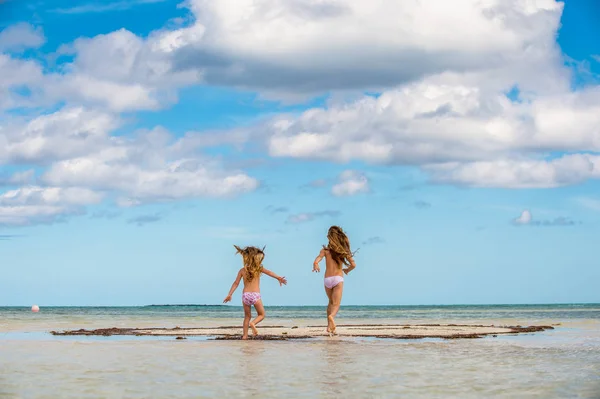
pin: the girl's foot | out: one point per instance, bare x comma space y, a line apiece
245, 337
254, 330
331, 327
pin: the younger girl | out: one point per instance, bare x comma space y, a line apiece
336, 253
251, 273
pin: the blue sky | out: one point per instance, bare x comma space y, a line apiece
140, 140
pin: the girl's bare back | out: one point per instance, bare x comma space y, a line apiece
332, 268
252, 285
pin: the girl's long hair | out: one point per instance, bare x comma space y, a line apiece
253, 258
339, 246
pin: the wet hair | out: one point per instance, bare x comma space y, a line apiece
253, 258
339, 246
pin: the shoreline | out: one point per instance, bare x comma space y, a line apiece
275, 332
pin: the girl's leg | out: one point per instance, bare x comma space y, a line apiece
336, 299
247, 316
260, 310
329, 293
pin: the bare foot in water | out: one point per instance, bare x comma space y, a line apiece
254, 330
331, 327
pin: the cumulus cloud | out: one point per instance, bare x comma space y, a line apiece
301, 47
472, 133
120, 62
309, 46
441, 102
67, 133
526, 219
310, 216
17, 75
33, 204
566, 170
26, 177
350, 182
21, 36
147, 169
75, 148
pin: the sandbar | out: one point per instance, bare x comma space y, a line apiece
274, 332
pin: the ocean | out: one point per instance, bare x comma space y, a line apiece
559, 363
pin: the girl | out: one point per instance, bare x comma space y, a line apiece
251, 272
336, 253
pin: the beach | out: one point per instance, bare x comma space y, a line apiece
555, 363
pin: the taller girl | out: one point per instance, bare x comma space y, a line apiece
337, 253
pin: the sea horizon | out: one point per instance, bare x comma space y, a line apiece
342, 306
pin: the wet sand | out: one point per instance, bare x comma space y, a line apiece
273, 332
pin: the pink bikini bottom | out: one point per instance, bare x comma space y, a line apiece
332, 281
250, 298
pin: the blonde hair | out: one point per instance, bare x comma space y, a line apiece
339, 246
253, 258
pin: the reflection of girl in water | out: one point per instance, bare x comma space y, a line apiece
336, 254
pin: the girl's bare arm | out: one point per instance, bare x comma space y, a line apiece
351, 267
234, 286
282, 280
318, 259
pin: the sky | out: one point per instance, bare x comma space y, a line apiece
457, 144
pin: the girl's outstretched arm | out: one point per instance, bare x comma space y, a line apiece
282, 280
351, 267
234, 286
318, 259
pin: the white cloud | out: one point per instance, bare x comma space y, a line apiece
434, 121
442, 107
76, 150
20, 36
519, 173
33, 204
67, 133
19, 178
149, 168
18, 74
294, 48
350, 183
316, 46
457, 132
525, 217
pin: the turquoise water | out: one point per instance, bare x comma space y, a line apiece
563, 311
559, 363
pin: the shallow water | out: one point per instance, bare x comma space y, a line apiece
560, 363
